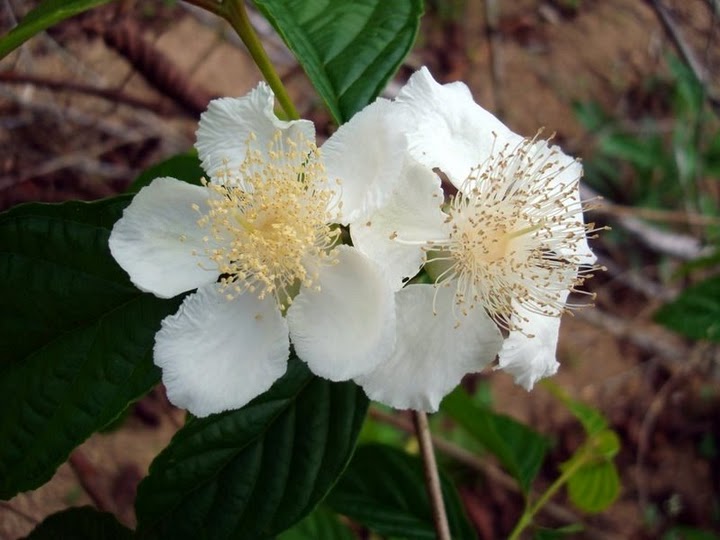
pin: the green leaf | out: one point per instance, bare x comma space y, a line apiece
384, 489
706, 261
185, 167
348, 48
559, 533
689, 92
696, 312
591, 419
322, 524
83, 523
641, 152
594, 486
606, 444
49, 12
591, 115
689, 533
712, 156
77, 335
520, 449
253, 472
375, 431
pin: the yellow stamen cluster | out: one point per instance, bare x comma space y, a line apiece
512, 227
269, 225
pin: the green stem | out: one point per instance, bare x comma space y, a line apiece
529, 514
235, 13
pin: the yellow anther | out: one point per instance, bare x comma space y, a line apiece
271, 219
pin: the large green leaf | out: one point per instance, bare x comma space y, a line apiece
348, 48
185, 167
322, 524
696, 312
77, 335
253, 472
384, 489
49, 12
83, 523
520, 449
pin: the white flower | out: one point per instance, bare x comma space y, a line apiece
503, 254
259, 244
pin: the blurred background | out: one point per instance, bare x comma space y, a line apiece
632, 87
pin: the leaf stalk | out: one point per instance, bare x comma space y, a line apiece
235, 13
526, 519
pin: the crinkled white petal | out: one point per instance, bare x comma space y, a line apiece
158, 241
455, 134
529, 354
347, 327
414, 214
218, 354
225, 128
366, 155
452, 132
433, 352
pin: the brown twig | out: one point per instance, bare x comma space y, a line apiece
89, 479
113, 95
432, 477
700, 72
155, 67
662, 216
636, 280
682, 246
646, 428
10, 508
87, 159
656, 407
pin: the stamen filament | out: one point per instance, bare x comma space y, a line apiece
514, 233
270, 226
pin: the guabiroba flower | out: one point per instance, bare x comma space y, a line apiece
258, 242
502, 254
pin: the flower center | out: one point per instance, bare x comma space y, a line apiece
513, 229
270, 227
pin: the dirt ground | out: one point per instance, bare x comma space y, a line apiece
86, 106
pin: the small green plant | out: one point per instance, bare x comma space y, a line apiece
669, 162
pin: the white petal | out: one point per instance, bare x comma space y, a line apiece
366, 155
347, 327
453, 133
414, 214
218, 354
157, 237
433, 352
226, 126
529, 355
572, 174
